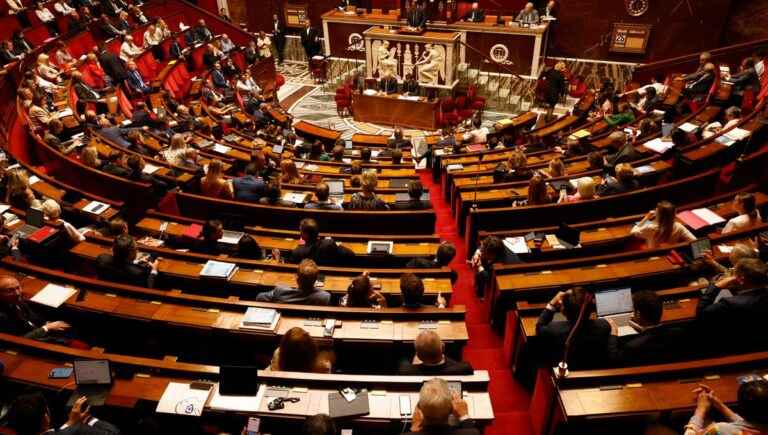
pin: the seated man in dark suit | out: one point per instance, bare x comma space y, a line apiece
737, 319
623, 182
212, 232
415, 190
18, 318
624, 150
305, 293
388, 85
202, 33
699, 88
410, 85
122, 266
443, 257
29, 414
655, 343
476, 15
322, 193
589, 347
135, 81
490, 252
430, 359
415, 16
398, 141
412, 292
434, 410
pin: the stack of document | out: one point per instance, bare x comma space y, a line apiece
221, 149
579, 134
688, 127
149, 169
218, 269
64, 113
658, 145
260, 318
733, 136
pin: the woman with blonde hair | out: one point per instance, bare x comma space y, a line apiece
659, 227
52, 212
90, 157
289, 172
46, 70
585, 189
366, 198
214, 184
176, 152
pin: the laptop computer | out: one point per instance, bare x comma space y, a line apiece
615, 304
93, 379
34, 221
568, 236
238, 380
335, 187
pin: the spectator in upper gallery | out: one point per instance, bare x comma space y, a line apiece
226, 44
748, 217
589, 346
475, 14
623, 182
7, 55
93, 74
659, 227
305, 292
360, 294
17, 8
322, 193
298, 352
19, 318
87, 94
732, 118
62, 56
135, 81
412, 293
366, 198
122, 265
435, 408
128, 49
529, 15
414, 202
62, 7
29, 415
52, 212
122, 23
655, 342
214, 184
217, 77
752, 398
446, 252
108, 29
319, 424
46, 69
53, 137
47, 18
430, 359
251, 52
113, 65
202, 33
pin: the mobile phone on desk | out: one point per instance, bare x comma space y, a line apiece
60, 373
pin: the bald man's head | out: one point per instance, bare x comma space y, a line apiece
429, 347
10, 290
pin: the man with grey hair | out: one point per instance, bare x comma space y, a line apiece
624, 149
529, 15
430, 358
435, 407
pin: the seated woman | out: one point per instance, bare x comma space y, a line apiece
585, 189
739, 252
556, 168
752, 397
289, 172
360, 294
46, 69
249, 248
90, 157
659, 227
515, 169
52, 212
93, 74
748, 216
176, 152
537, 193
214, 184
18, 193
298, 352
64, 60
367, 199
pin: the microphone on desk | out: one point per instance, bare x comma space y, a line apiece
562, 366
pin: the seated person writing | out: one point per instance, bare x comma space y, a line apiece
305, 293
430, 359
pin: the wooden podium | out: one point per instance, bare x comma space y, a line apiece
408, 48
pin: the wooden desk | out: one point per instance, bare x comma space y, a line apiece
312, 131
391, 110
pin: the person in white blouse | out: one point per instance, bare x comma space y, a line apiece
46, 70
659, 227
48, 19
748, 216
264, 43
62, 7
150, 36
129, 50
162, 29
52, 211
732, 118
246, 84
226, 44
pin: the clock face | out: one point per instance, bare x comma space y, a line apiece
636, 8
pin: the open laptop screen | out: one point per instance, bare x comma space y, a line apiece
335, 187
614, 301
92, 372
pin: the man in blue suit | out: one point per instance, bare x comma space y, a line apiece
249, 187
135, 81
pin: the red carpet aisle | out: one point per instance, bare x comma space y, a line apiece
484, 350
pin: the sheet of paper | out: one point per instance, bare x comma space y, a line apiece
658, 145
517, 245
149, 168
708, 216
688, 127
236, 403
53, 295
222, 149
33, 179
179, 398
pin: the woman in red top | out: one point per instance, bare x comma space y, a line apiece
93, 74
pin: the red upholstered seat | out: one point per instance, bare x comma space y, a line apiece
475, 102
447, 114
463, 108
343, 100
238, 59
124, 102
463, 8
279, 81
